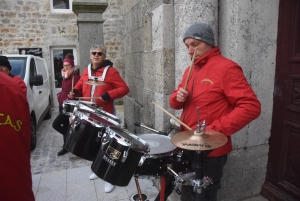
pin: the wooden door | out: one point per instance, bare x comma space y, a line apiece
283, 169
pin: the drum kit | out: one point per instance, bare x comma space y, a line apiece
119, 155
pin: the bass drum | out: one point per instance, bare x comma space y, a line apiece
84, 136
119, 156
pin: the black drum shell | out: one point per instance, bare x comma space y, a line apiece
156, 165
153, 166
120, 173
84, 140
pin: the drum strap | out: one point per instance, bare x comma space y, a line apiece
91, 77
101, 78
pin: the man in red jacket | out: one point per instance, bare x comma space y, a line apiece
5, 68
15, 173
115, 87
218, 87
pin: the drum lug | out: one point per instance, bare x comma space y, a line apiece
142, 160
99, 136
125, 154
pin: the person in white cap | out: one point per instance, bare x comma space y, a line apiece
226, 101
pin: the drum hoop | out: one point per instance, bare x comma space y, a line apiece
161, 155
101, 116
137, 147
94, 122
98, 111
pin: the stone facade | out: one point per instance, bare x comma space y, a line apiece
144, 41
240, 28
31, 24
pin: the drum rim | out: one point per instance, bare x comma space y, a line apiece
142, 147
171, 149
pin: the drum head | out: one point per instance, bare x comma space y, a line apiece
158, 143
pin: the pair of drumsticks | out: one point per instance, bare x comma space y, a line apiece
185, 87
187, 80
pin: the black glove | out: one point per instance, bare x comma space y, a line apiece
105, 96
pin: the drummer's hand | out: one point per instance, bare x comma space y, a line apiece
101, 99
105, 97
71, 95
182, 94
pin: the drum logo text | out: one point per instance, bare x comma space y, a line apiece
196, 145
113, 153
111, 162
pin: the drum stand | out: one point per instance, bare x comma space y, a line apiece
195, 179
143, 197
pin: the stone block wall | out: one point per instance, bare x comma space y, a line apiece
30, 24
149, 61
113, 27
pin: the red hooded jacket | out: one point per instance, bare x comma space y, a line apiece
219, 88
67, 86
15, 173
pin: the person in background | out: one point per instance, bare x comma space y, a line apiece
115, 86
15, 134
70, 76
218, 87
5, 68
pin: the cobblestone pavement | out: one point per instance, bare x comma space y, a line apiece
44, 158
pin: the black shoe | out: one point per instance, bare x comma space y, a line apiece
62, 152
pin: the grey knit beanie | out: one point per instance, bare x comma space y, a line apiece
200, 31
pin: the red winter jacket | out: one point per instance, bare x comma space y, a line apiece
219, 88
15, 135
67, 87
20, 82
115, 87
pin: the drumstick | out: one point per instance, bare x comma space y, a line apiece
191, 67
72, 83
173, 117
86, 97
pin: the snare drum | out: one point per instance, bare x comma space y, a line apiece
99, 114
154, 163
118, 156
84, 136
69, 105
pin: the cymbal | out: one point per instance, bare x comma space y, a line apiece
208, 140
95, 83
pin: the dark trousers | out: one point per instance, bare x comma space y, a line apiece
61, 123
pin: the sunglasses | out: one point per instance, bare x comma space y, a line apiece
98, 53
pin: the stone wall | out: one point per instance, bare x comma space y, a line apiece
30, 24
246, 33
113, 28
149, 61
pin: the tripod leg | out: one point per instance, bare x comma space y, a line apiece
138, 188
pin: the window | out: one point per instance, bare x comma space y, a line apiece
18, 66
61, 6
